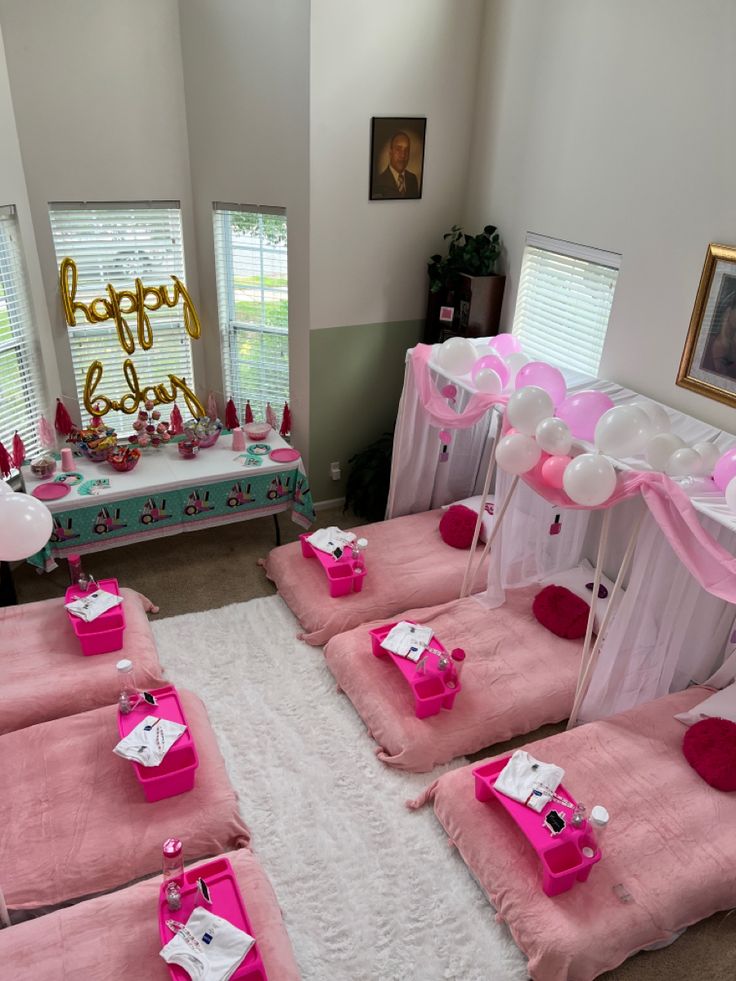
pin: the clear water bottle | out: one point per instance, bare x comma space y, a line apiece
173, 869
126, 687
597, 824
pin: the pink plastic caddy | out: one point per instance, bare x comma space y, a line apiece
433, 689
563, 862
176, 774
226, 902
105, 634
344, 575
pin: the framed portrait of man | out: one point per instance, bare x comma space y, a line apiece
397, 157
708, 363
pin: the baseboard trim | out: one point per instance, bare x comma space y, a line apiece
332, 503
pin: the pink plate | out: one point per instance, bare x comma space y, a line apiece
284, 455
51, 491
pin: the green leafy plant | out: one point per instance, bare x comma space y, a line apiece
366, 490
474, 255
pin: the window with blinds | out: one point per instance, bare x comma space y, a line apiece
117, 243
21, 392
564, 302
253, 303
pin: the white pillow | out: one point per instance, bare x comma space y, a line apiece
721, 705
576, 581
474, 504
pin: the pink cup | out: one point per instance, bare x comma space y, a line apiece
67, 460
238, 439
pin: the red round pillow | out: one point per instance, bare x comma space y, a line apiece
710, 749
561, 611
457, 525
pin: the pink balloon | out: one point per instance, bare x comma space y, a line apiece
544, 376
504, 344
725, 470
553, 470
582, 411
490, 361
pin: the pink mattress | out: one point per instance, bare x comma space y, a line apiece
46, 676
116, 936
670, 844
517, 676
74, 818
408, 566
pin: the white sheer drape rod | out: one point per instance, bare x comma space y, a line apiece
602, 544
467, 579
590, 666
396, 453
496, 528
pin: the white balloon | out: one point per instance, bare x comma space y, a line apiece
517, 453
25, 526
660, 448
658, 416
589, 479
554, 436
457, 355
5, 487
488, 380
709, 454
528, 407
622, 431
731, 494
684, 463
514, 361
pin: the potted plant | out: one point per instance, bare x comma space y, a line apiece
465, 282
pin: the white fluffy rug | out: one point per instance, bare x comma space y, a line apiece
369, 890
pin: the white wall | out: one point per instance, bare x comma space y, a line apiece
612, 124
413, 58
13, 190
99, 101
246, 75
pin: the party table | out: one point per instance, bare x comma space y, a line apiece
166, 494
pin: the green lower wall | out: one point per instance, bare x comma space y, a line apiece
356, 375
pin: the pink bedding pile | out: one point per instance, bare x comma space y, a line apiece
116, 936
45, 674
408, 566
74, 818
670, 846
517, 676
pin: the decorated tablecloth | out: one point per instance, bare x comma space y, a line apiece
166, 494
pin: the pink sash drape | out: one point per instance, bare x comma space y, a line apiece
435, 405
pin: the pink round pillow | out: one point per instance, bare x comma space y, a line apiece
710, 749
561, 611
457, 525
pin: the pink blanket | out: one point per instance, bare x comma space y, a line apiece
517, 676
74, 818
670, 847
116, 936
408, 565
46, 676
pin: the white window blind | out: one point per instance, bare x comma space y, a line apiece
564, 302
21, 393
116, 243
253, 303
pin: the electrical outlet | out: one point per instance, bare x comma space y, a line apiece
335, 470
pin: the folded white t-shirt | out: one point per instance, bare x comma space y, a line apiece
150, 741
92, 605
407, 640
526, 779
329, 539
208, 947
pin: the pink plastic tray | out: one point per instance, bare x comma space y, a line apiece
344, 575
563, 863
105, 634
177, 772
51, 491
226, 902
433, 689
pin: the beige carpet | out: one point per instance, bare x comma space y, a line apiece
214, 567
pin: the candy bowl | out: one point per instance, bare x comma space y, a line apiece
257, 431
188, 448
205, 431
43, 466
124, 458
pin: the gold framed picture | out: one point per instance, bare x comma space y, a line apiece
708, 363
